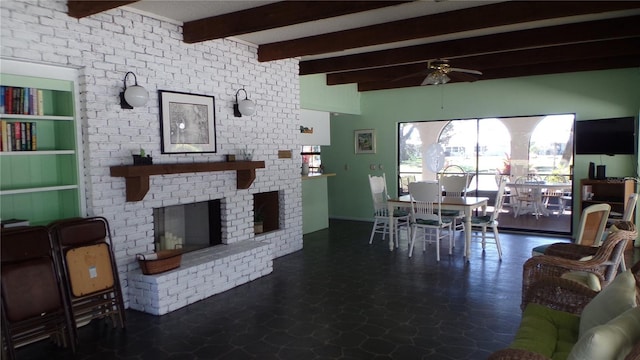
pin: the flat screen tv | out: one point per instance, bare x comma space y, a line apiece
613, 136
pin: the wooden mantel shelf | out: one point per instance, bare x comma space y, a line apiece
137, 176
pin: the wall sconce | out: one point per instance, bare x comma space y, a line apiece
244, 107
133, 96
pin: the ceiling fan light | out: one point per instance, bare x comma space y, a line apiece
437, 78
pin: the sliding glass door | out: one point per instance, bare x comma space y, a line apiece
540, 146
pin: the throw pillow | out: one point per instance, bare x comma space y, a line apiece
613, 341
612, 301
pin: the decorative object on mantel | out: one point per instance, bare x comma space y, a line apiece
160, 261
306, 130
231, 157
137, 177
187, 122
133, 96
247, 155
244, 107
142, 158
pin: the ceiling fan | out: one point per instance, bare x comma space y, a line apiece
440, 72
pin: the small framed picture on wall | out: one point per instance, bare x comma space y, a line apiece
365, 141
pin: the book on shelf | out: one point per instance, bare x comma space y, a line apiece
9, 223
21, 101
18, 136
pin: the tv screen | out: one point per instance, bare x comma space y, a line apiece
606, 136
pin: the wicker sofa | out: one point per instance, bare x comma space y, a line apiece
563, 319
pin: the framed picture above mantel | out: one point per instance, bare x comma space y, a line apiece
187, 122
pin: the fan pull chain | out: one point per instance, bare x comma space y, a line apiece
441, 97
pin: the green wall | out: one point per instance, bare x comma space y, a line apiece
315, 95
590, 95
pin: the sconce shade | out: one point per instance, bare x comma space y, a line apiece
244, 107
136, 95
133, 96
247, 107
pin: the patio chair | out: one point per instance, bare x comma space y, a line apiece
426, 217
528, 198
378, 186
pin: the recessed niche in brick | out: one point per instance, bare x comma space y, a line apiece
189, 226
266, 207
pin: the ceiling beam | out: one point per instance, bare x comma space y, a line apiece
520, 71
80, 9
554, 54
279, 14
480, 17
540, 37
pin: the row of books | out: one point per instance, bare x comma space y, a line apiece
18, 136
21, 101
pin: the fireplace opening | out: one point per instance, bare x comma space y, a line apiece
266, 212
189, 226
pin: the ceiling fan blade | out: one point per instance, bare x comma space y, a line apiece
460, 76
468, 71
422, 73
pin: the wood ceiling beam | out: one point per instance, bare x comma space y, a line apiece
520, 71
480, 17
80, 9
279, 14
554, 54
540, 37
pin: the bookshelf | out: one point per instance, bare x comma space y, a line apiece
41, 182
613, 192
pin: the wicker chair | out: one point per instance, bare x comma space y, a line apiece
563, 295
603, 264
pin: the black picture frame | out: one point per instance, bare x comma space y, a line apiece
187, 123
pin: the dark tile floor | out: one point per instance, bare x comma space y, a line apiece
339, 298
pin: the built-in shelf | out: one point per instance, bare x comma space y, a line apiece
137, 176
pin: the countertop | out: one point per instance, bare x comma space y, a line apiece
317, 176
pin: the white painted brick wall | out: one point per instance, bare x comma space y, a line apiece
104, 47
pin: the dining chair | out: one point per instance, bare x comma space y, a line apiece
426, 217
528, 198
590, 231
33, 303
491, 221
454, 181
378, 186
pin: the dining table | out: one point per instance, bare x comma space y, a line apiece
541, 191
467, 204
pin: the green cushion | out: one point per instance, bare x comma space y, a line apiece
614, 340
449, 213
618, 297
431, 222
545, 331
480, 219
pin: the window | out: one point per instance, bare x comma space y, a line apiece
311, 156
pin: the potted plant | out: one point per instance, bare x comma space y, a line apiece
142, 158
